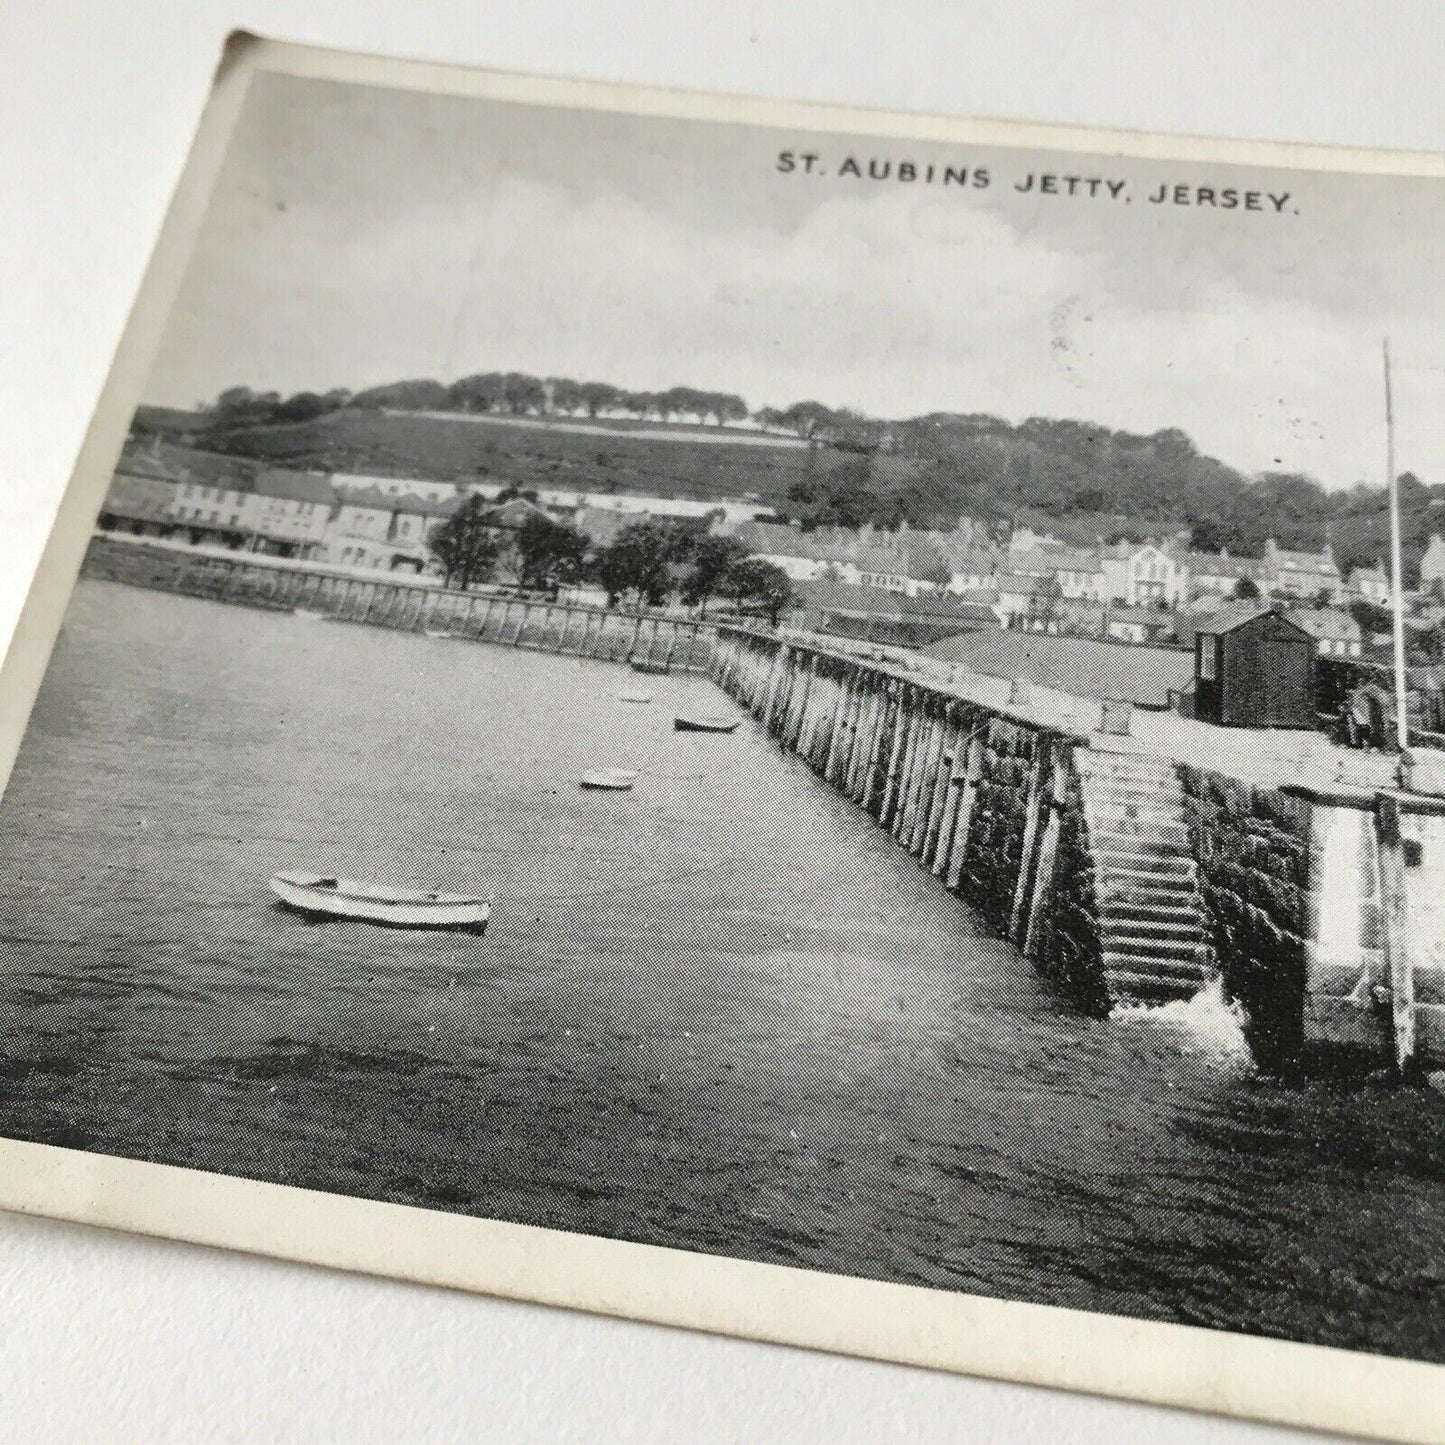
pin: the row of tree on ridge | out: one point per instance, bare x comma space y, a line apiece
515, 393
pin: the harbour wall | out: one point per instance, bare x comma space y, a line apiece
1065, 842
649, 639
989, 803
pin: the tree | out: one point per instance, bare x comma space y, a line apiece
712, 558
1246, 589
512, 492
239, 406
598, 396
417, 395
464, 544
640, 560
303, 406
546, 554
523, 393
755, 585
566, 394
937, 574
1372, 619
481, 392
725, 407
809, 418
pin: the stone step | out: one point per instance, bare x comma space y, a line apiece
1185, 924
1134, 795
1151, 824
1158, 843
1129, 765
1174, 906
1199, 964
1159, 949
1130, 863
1137, 811
1146, 988
1181, 902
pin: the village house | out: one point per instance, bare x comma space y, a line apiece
142, 505
1369, 584
429, 490
1144, 574
379, 530
1139, 625
968, 571
1220, 575
1078, 572
288, 513
1301, 574
1029, 604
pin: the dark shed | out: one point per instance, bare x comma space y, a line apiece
1253, 668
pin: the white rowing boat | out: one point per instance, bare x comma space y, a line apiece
634, 697
314, 894
617, 780
308, 614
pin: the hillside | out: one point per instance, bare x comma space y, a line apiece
1077, 480
676, 463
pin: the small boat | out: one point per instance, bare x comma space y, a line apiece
634, 697
696, 724
617, 780
433, 632
323, 897
653, 669
308, 614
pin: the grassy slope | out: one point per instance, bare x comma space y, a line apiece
428, 446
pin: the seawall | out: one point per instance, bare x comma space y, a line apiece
1127, 876
648, 639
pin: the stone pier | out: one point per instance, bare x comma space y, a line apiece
1124, 875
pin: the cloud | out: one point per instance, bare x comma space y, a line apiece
336, 263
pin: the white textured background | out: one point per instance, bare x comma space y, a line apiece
110, 1338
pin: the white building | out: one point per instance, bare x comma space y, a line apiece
289, 512
1301, 574
1144, 574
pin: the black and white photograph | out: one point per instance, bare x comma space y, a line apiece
865, 698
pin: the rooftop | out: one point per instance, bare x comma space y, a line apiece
291, 486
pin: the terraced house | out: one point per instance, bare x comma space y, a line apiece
288, 513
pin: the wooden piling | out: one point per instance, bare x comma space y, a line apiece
1394, 928
1027, 854
1058, 793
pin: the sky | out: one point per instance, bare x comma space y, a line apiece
359, 235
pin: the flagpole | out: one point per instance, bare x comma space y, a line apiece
1397, 579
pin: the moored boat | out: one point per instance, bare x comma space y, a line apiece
309, 614
693, 723
324, 897
617, 780
640, 697
653, 669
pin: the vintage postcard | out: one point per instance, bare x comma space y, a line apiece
807, 723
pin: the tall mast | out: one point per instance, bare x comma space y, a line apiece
1397, 578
